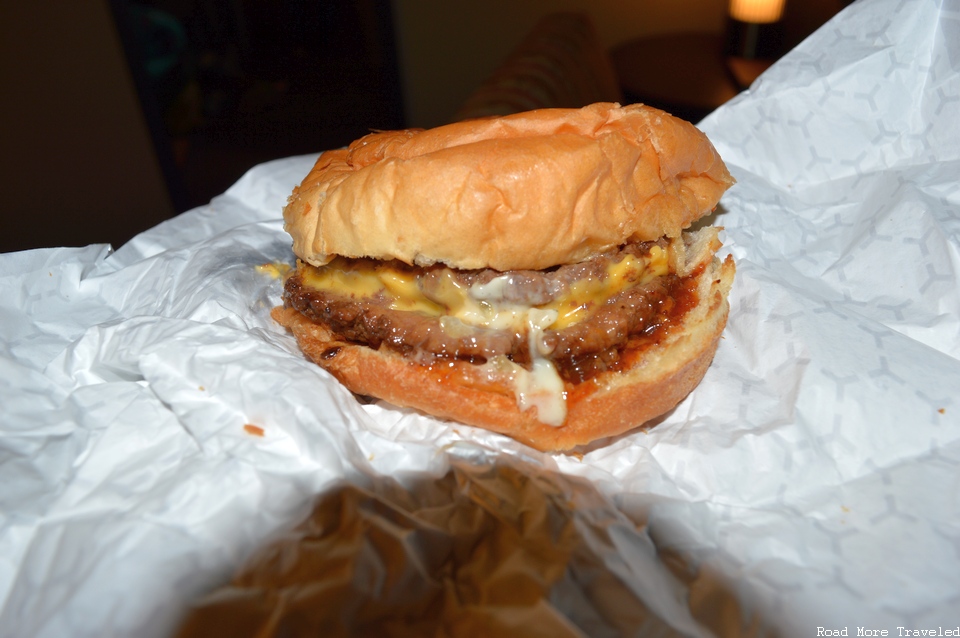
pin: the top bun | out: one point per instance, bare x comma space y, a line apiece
524, 191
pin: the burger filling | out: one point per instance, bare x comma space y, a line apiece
539, 329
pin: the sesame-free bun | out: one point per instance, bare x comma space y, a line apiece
524, 191
652, 382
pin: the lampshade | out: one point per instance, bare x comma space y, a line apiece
757, 11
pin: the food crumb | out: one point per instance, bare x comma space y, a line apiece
255, 430
846, 510
201, 388
942, 410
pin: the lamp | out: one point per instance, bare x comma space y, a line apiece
757, 11
753, 13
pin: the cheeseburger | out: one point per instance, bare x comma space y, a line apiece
534, 274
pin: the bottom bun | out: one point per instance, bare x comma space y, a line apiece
653, 381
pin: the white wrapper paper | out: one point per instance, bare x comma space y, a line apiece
812, 479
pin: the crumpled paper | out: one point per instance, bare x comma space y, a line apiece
158, 429
486, 549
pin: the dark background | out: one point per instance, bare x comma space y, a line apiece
247, 81
119, 114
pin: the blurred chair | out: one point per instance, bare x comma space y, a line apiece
560, 63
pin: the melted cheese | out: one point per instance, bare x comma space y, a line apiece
482, 305
276, 270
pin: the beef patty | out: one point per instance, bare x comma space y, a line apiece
579, 351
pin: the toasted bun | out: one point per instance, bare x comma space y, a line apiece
654, 381
524, 191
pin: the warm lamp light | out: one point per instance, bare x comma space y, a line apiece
757, 11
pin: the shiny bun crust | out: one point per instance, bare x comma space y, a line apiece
607, 405
524, 191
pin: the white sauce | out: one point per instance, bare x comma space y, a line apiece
490, 291
542, 387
